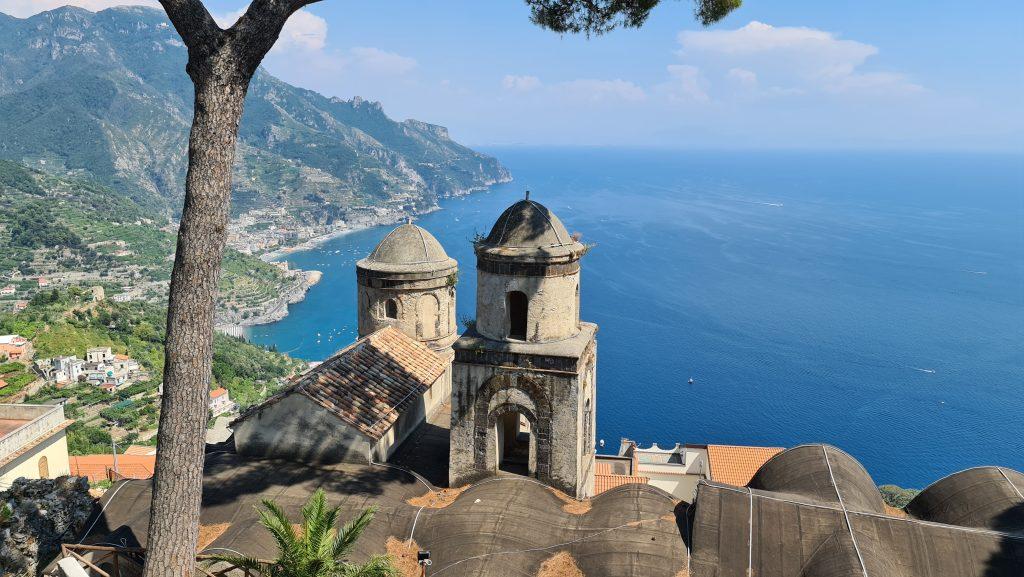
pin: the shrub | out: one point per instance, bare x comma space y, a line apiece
897, 496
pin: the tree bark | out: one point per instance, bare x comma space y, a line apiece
177, 486
221, 63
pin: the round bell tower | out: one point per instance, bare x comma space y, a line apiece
408, 282
528, 277
524, 383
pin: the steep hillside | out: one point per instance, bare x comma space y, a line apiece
105, 94
75, 232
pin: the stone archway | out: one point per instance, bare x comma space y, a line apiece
514, 446
500, 401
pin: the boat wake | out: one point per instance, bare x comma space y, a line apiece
929, 371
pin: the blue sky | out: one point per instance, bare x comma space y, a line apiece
774, 74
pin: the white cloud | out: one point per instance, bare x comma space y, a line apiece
687, 83
303, 31
26, 8
789, 60
743, 77
377, 61
520, 83
592, 90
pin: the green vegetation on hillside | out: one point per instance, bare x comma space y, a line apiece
77, 225
68, 322
117, 108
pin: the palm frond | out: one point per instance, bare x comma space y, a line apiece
276, 521
377, 566
318, 521
349, 534
264, 568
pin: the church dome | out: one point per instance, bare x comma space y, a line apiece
408, 248
529, 228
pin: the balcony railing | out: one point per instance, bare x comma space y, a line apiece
40, 420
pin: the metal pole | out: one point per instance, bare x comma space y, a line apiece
113, 448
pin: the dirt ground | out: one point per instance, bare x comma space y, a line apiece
560, 565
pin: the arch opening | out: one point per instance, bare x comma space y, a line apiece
518, 308
391, 309
514, 443
429, 319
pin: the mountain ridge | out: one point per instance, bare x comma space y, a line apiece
104, 94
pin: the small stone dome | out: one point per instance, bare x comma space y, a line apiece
408, 248
529, 228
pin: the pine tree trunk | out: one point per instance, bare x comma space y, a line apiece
177, 486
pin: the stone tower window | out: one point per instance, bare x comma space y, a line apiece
518, 307
391, 309
588, 428
577, 305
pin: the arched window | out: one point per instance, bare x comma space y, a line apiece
588, 425
391, 309
518, 309
427, 310
44, 468
577, 305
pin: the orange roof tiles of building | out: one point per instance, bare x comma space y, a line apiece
605, 479
217, 392
369, 383
604, 483
140, 450
735, 464
101, 467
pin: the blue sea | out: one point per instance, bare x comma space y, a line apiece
874, 301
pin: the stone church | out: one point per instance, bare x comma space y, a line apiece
521, 380
524, 377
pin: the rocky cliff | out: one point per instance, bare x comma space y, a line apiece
105, 94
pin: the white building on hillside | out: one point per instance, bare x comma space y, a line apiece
99, 355
32, 442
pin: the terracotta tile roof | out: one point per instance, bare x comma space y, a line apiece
140, 450
217, 392
369, 383
100, 467
736, 465
603, 468
604, 482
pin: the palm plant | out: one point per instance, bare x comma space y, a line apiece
316, 548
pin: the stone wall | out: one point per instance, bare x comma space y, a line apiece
297, 429
426, 305
44, 514
553, 312
552, 402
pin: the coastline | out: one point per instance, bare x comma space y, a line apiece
314, 242
278, 308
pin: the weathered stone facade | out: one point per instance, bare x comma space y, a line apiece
528, 367
408, 282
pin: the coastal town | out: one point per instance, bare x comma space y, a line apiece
511, 398
750, 307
